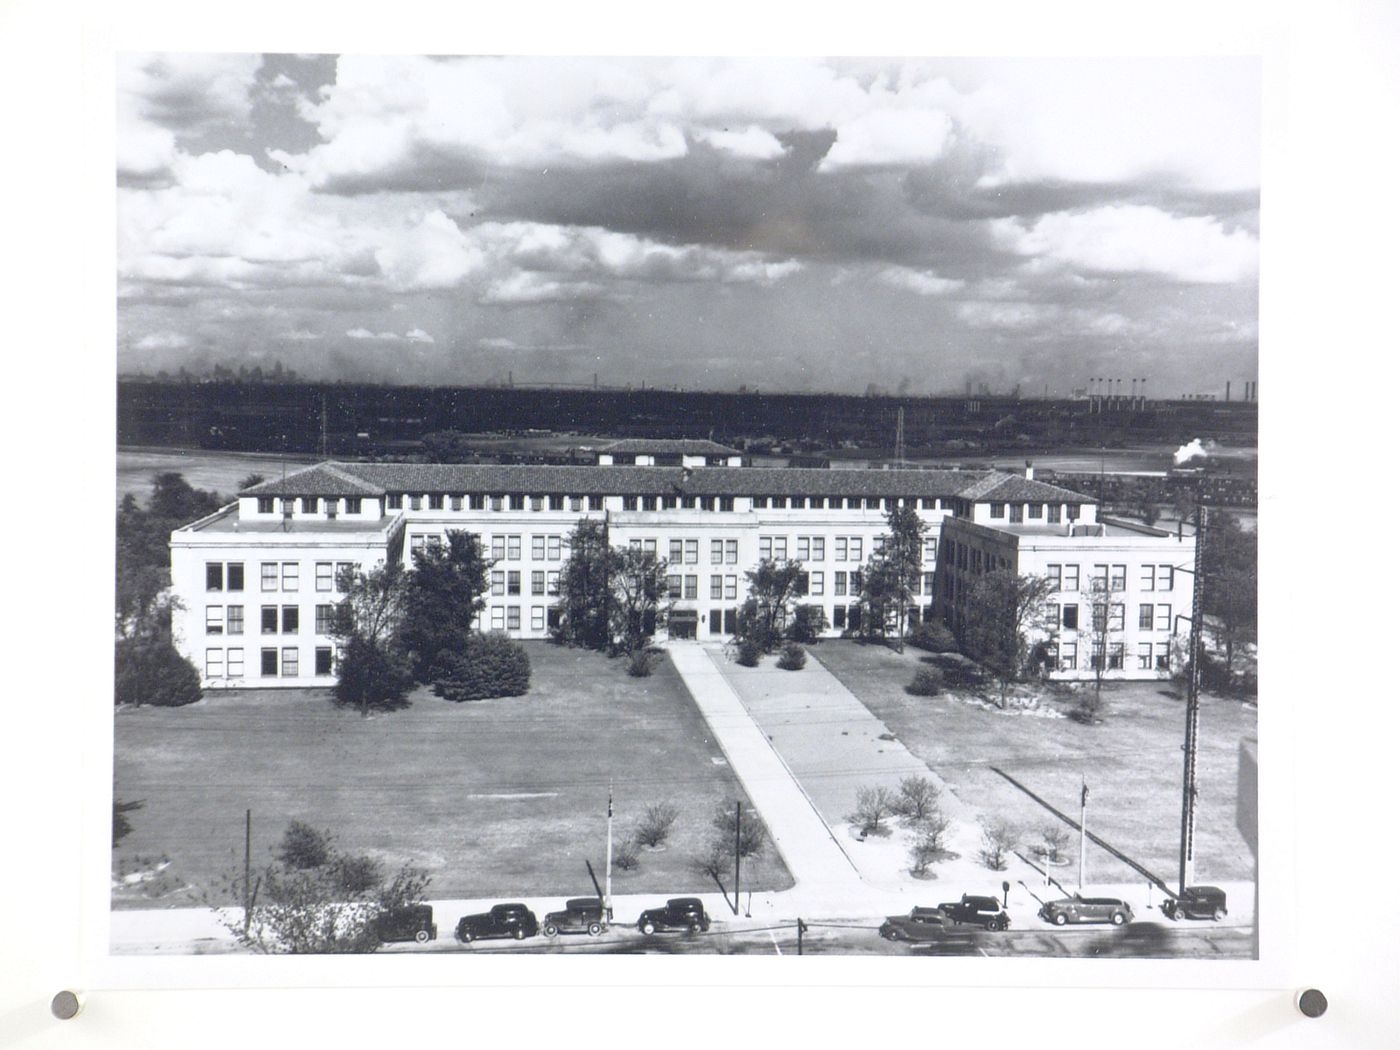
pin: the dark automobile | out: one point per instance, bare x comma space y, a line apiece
504, 920
580, 915
680, 913
1086, 909
985, 912
1198, 902
921, 924
411, 923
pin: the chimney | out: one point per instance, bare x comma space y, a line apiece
1030, 471
1227, 390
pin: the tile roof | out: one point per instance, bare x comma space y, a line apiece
675, 446
372, 479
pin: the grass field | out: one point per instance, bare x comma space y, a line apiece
1132, 761
217, 471
499, 798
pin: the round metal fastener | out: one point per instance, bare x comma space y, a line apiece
65, 1005
1312, 1003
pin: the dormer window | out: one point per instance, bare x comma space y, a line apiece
309, 504
267, 505
435, 501
396, 501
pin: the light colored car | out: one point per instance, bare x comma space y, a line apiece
1087, 909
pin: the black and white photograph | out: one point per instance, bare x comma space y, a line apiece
729, 506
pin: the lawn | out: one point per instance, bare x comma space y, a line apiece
501, 798
1132, 761
214, 471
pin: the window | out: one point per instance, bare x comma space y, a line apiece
818, 584
1071, 578
1052, 513
325, 573
512, 548
213, 663
396, 501
269, 576
716, 587
1100, 618
819, 548
765, 547
291, 619
841, 548
1070, 618
291, 572
552, 582
324, 661
234, 668
692, 551
1163, 656
629, 502
1115, 616
977, 559
517, 501
354, 503
290, 662
1145, 617
213, 619
998, 510
537, 617
537, 548
1149, 577
802, 586
707, 503
1052, 611
717, 552
1072, 511
415, 502
726, 503
498, 503
1018, 513
325, 619
1115, 656
838, 584
269, 663
537, 582
692, 587
235, 576
1145, 655
498, 582
856, 554
1166, 576
648, 503
213, 576
415, 546
731, 587
1164, 617
269, 619
434, 543
498, 548
556, 501
537, 503
266, 505
804, 548
476, 500
1035, 510
1100, 580
553, 552
930, 548
668, 502
1095, 656
498, 619
673, 586
344, 573
513, 581
1118, 578
780, 548
1069, 656
838, 617
234, 616
512, 617
1052, 573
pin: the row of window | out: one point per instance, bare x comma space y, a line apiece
1150, 617
557, 501
1111, 577
275, 576
542, 581
1047, 512
283, 662
1065, 656
974, 559
507, 617
307, 504
284, 619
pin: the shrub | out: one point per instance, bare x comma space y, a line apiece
1053, 839
121, 827
371, 674
357, 874
1089, 709
717, 858
655, 826
303, 847
625, 855
917, 799
749, 652
489, 665
151, 671
794, 657
928, 681
998, 839
872, 806
929, 843
639, 663
934, 637
808, 623
753, 836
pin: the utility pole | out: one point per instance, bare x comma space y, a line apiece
1083, 805
1193, 710
607, 870
247, 870
801, 929
738, 824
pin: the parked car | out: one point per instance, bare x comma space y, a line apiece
504, 920
985, 912
1086, 909
580, 915
921, 924
680, 913
410, 923
1198, 902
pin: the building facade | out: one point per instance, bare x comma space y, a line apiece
257, 580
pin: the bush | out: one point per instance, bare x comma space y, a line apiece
794, 657
1053, 839
917, 799
749, 652
1089, 709
151, 671
489, 665
639, 663
357, 874
372, 675
998, 839
928, 681
655, 826
872, 806
933, 637
625, 855
808, 623
929, 844
303, 847
753, 836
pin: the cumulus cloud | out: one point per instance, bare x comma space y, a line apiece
1136, 239
417, 335
924, 282
163, 341
888, 138
752, 142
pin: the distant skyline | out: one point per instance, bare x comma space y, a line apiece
789, 224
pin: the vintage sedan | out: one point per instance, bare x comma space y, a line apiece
412, 922
920, 925
680, 913
985, 912
503, 920
580, 915
1086, 909
1198, 902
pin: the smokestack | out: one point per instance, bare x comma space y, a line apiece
1227, 390
1030, 471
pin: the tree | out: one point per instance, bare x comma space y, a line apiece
150, 670
121, 827
1231, 584
917, 799
373, 671
882, 600
998, 839
143, 547
638, 596
585, 587
773, 588
808, 623
251, 481
1105, 624
873, 804
902, 558
655, 825
753, 835
444, 598
929, 842
1001, 613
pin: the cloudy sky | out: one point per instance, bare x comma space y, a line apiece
704, 223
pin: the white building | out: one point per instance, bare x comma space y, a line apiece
256, 581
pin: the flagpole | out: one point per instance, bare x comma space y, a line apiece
607, 871
1083, 805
